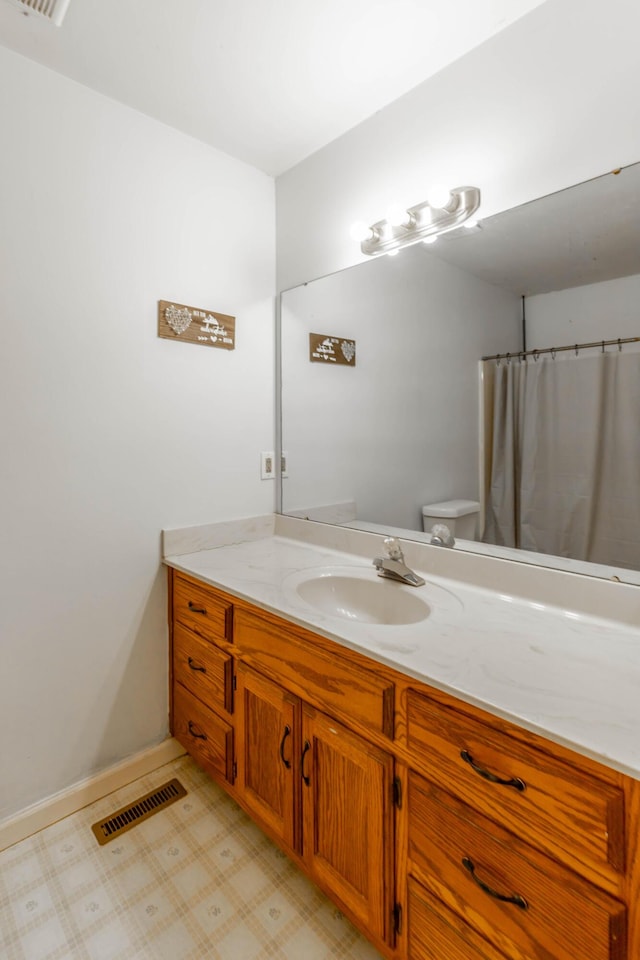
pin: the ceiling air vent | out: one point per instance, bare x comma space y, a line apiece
51, 10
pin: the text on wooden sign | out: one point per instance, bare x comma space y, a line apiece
207, 328
325, 349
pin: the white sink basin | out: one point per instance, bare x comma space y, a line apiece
359, 595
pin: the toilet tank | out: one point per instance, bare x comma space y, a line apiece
461, 516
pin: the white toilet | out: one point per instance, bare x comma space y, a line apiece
460, 516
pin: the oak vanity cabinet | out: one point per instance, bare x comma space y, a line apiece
443, 832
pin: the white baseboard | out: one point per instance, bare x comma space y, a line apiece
81, 794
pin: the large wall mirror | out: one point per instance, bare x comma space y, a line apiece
547, 443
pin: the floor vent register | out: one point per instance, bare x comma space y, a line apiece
134, 813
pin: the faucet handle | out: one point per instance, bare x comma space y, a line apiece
441, 536
393, 548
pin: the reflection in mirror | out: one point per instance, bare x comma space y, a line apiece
417, 419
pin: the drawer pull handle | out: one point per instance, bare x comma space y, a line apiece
194, 733
305, 777
195, 666
194, 609
287, 731
514, 782
516, 899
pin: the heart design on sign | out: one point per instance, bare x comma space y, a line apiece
177, 319
348, 350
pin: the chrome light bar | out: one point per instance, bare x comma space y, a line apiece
422, 221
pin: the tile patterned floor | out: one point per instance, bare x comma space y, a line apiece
197, 881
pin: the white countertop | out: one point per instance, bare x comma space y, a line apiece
571, 677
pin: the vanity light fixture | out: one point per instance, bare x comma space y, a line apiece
438, 196
397, 217
447, 210
360, 231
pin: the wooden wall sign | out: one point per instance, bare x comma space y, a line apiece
324, 349
194, 325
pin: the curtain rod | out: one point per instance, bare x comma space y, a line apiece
572, 346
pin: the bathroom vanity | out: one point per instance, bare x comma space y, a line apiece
450, 813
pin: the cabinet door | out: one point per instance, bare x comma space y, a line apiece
268, 738
348, 819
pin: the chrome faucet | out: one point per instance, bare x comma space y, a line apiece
393, 565
441, 536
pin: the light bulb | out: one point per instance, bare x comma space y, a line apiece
430, 239
361, 231
438, 196
398, 217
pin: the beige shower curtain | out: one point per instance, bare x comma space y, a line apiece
563, 456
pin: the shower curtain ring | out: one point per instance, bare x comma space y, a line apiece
553, 353
576, 349
603, 346
619, 345
535, 355
508, 355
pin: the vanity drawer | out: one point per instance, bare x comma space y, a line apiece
466, 861
203, 734
204, 669
317, 677
197, 607
435, 932
567, 813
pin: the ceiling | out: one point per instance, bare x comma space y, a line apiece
266, 81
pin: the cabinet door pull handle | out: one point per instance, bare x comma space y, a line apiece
287, 731
194, 733
194, 609
306, 748
514, 782
516, 899
195, 666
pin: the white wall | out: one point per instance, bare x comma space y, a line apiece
400, 429
109, 433
596, 311
550, 101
